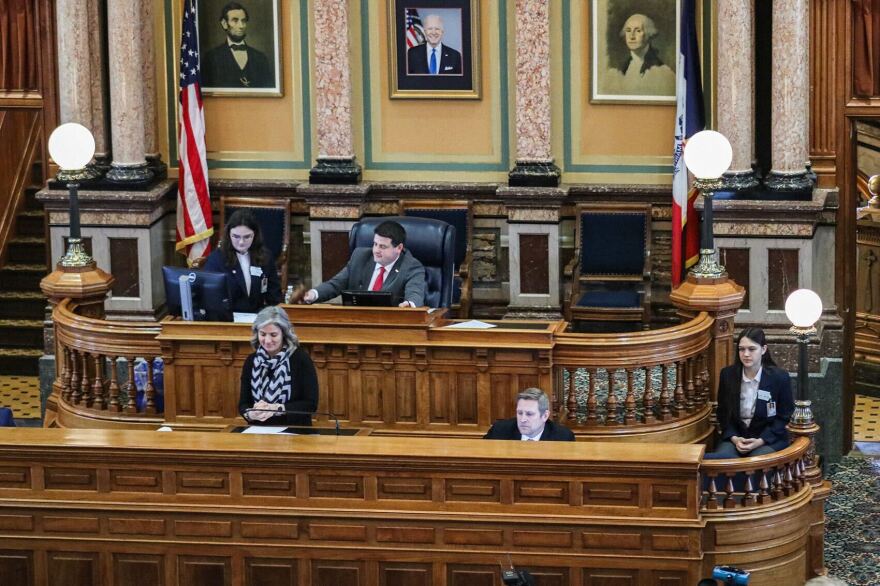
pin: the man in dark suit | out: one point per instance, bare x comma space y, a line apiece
433, 57
531, 422
234, 63
387, 267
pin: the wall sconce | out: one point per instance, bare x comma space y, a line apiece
707, 155
803, 309
72, 146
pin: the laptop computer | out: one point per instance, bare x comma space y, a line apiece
367, 298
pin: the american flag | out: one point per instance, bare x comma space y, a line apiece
194, 224
415, 34
690, 119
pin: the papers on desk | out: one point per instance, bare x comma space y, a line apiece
165, 428
264, 429
472, 324
243, 318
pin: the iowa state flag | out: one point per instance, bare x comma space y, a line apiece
690, 119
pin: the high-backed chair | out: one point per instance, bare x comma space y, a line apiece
432, 242
610, 273
460, 215
273, 216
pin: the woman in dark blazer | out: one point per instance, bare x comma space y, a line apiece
249, 266
754, 401
279, 385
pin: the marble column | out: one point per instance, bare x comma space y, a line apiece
790, 98
534, 162
148, 75
336, 161
97, 76
129, 164
736, 89
75, 77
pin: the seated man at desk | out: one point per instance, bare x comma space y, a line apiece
531, 422
387, 267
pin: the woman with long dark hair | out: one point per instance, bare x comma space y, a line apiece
249, 266
754, 401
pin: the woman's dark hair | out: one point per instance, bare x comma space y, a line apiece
246, 218
755, 335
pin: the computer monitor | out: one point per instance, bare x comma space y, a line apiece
367, 298
209, 293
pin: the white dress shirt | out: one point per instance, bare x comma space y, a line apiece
748, 396
244, 260
439, 55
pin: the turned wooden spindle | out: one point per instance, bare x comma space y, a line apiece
648, 398
114, 404
66, 372
571, 405
749, 496
665, 411
98, 401
678, 407
592, 401
611, 405
629, 404
764, 487
75, 377
130, 388
689, 388
729, 498
150, 390
86, 382
712, 502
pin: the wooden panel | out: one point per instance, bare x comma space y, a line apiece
406, 488
322, 532
826, 77
327, 572
551, 539
136, 480
405, 574
599, 493
16, 523
612, 540
473, 537
202, 482
441, 391
610, 577
669, 578
471, 575
534, 265
782, 263
473, 490
532, 491
337, 392
405, 397
16, 567
214, 385
73, 568
372, 383
270, 530
327, 486
736, 263
69, 524
667, 495
15, 477
550, 576
270, 572
135, 526
405, 534
138, 570
466, 411
203, 528
71, 479
261, 484
184, 390
216, 571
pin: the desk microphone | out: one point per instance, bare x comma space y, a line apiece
291, 412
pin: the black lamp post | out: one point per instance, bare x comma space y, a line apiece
72, 147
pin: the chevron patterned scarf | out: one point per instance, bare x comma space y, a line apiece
270, 377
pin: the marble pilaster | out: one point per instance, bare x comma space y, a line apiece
97, 76
75, 93
129, 164
336, 162
790, 97
534, 161
148, 75
736, 89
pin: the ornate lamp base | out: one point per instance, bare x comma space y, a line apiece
76, 256
708, 267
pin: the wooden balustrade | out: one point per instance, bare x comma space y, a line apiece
648, 386
748, 482
89, 355
623, 385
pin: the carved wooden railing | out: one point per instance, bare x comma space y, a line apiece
617, 385
749, 482
89, 354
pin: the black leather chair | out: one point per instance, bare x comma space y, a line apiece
609, 276
432, 242
273, 216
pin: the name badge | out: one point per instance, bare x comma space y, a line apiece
764, 395
771, 409
264, 284
256, 271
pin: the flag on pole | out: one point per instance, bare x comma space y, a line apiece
415, 33
194, 223
690, 118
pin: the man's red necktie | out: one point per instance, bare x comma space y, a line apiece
380, 278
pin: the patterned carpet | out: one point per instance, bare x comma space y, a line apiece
852, 513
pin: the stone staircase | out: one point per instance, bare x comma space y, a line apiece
21, 302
